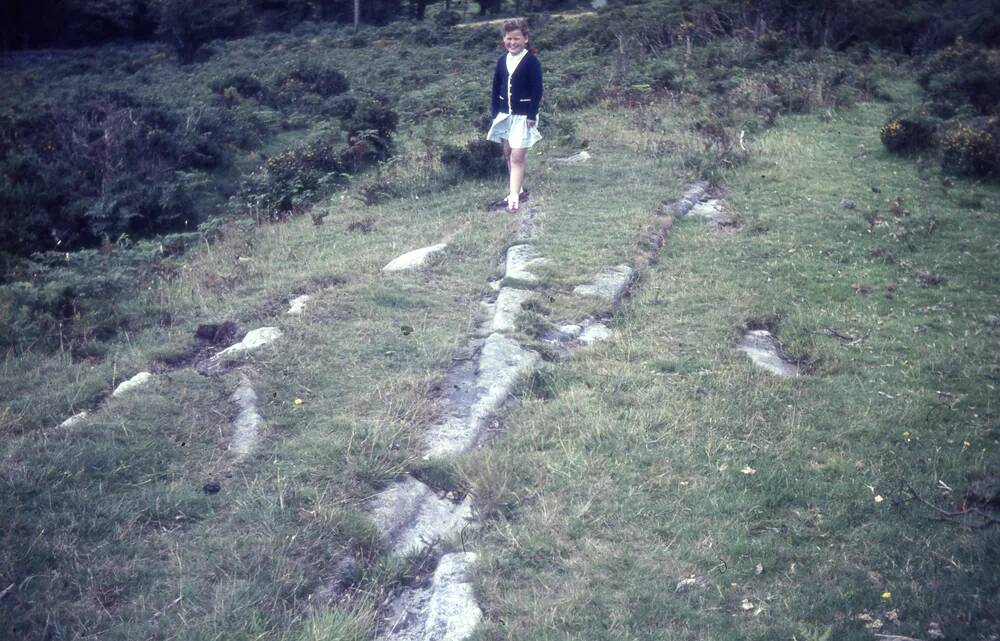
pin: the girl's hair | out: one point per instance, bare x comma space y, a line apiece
516, 24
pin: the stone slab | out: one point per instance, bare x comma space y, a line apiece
694, 194
413, 259
714, 212
577, 158
765, 351
508, 306
443, 610
135, 382
501, 364
75, 420
254, 339
298, 305
520, 260
609, 285
411, 516
593, 333
248, 423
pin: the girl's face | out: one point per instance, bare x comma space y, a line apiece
514, 41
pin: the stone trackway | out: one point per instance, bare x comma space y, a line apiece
411, 516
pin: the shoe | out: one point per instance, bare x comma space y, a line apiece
512, 203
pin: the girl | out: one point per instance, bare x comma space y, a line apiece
517, 90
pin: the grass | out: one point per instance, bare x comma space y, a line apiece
665, 455
622, 471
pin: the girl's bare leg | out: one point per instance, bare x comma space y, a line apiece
516, 162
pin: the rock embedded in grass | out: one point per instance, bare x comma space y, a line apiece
413, 259
691, 197
594, 332
298, 305
443, 610
410, 515
75, 420
575, 159
135, 382
520, 260
609, 285
765, 351
254, 339
713, 211
508, 306
501, 364
248, 423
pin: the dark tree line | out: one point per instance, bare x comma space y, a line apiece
31, 24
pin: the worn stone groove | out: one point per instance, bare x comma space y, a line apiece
412, 516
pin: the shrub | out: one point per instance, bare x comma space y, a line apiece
964, 73
370, 131
907, 134
972, 149
246, 85
447, 18
478, 159
308, 84
188, 24
99, 166
664, 74
293, 178
342, 106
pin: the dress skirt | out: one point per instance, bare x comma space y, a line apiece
515, 130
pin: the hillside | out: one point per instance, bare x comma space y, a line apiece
551, 426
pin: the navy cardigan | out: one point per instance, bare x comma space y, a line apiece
526, 88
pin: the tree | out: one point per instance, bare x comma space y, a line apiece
189, 24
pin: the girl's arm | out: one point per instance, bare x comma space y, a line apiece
536, 91
495, 95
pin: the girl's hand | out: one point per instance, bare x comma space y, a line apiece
531, 123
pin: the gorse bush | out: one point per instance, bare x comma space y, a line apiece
964, 74
293, 178
973, 148
478, 159
908, 134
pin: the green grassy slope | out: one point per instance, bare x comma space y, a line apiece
621, 472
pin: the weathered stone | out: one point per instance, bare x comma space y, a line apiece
609, 285
577, 158
414, 259
254, 339
502, 362
520, 260
691, 583
508, 306
594, 332
411, 516
248, 423
298, 305
765, 351
691, 197
713, 211
443, 610
75, 420
136, 381
571, 330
